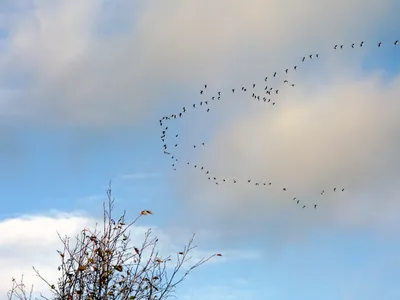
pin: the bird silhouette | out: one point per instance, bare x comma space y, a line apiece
268, 90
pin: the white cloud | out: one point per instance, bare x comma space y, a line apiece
28, 241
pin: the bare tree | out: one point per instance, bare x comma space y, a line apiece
102, 264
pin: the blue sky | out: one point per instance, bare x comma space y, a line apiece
83, 85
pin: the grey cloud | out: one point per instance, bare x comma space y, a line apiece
342, 134
82, 76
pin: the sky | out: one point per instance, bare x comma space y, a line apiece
83, 85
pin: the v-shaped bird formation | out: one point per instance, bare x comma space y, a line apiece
267, 94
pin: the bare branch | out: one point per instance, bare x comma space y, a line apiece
105, 265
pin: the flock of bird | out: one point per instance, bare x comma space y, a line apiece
267, 95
